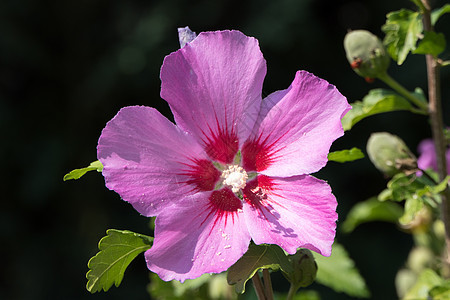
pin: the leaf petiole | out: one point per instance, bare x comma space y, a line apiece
404, 92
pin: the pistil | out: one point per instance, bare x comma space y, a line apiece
235, 177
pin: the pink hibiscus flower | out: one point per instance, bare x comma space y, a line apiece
427, 158
235, 167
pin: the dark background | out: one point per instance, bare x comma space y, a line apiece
67, 67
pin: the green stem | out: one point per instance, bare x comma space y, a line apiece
257, 285
404, 92
268, 284
292, 291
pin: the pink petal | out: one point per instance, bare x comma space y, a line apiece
291, 212
296, 128
213, 86
150, 162
427, 158
206, 236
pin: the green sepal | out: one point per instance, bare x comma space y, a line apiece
402, 29
256, 258
339, 273
371, 210
77, 173
377, 101
438, 12
432, 43
345, 155
117, 250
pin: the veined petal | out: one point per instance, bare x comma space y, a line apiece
206, 236
292, 212
296, 128
150, 162
213, 86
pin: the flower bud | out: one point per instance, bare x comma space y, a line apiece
305, 268
390, 154
366, 54
420, 258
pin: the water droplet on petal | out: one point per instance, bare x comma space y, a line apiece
227, 247
218, 253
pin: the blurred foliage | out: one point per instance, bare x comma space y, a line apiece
66, 67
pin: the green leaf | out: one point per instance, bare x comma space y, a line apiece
417, 191
207, 286
402, 29
345, 155
432, 43
369, 211
339, 273
441, 186
117, 250
412, 206
304, 295
77, 173
419, 94
404, 186
426, 281
440, 292
437, 13
377, 101
257, 257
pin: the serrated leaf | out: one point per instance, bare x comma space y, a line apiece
117, 250
345, 155
369, 211
402, 29
426, 281
377, 101
77, 173
257, 257
437, 13
339, 273
432, 43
